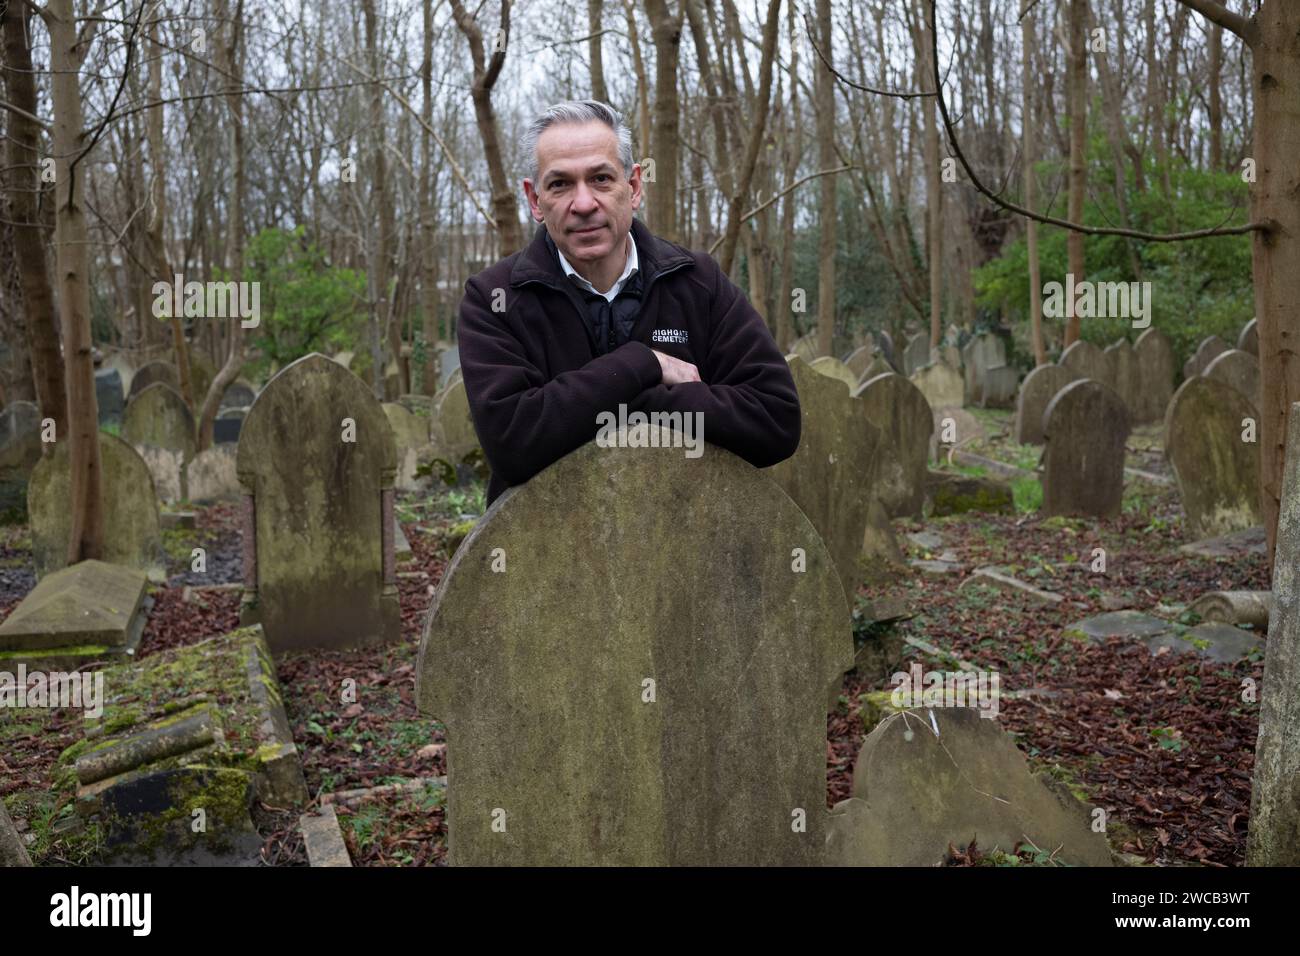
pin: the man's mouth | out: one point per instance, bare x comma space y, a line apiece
588, 229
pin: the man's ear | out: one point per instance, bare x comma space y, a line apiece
635, 181
533, 206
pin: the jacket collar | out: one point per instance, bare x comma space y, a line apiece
538, 263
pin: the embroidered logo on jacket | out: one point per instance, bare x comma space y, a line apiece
669, 336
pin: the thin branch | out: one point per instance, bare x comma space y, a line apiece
1051, 220
26, 115
846, 81
788, 189
1216, 12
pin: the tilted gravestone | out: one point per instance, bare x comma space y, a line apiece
454, 434
1122, 373
624, 647
941, 384
158, 420
20, 450
1039, 387
885, 345
1085, 360
900, 411
878, 366
983, 352
1085, 427
316, 463
860, 360
1216, 470
1248, 340
954, 427
999, 390
151, 373
834, 368
132, 536
1211, 347
831, 475
109, 395
917, 354
1155, 372
411, 437
1238, 369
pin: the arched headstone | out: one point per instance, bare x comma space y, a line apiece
834, 368
1085, 427
455, 433
917, 354
1248, 340
860, 360
1238, 369
158, 420
316, 462
1155, 371
620, 626
1039, 387
900, 411
1216, 469
150, 374
132, 536
1085, 360
983, 352
941, 384
1122, 373
1211, 347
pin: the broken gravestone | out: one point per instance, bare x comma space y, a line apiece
625, 648
132, 535
1215, 466
1036, 391
316, 463
950, 493
897, 407
89, 612
930, 778
1085, 428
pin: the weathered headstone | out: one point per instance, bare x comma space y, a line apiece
91, 611
885, 345
999, 389
834, 368
805, 347
832, 474
954, 427
878, 366
1122, 373
454, 428
900, 411
316, 462
211, 475
1248, 340
1085, 427
1216, 470
227, 425
131, 529
20, 450
448, 362
983, 352
108, 395
941, 384
933, 778
1085, 360
202, 372
917, 354
150, 374
860, 359
411, 436
1211, 347
343, 358
1039, 387
1238, 369
626, 692
238, 395
124, 367
158, 418
1155, 372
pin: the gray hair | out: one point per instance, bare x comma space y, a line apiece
579, 111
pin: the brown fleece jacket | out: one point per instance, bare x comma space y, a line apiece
536, 383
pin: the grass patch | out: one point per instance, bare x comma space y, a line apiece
1027, 493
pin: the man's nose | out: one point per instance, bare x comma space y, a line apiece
584, 200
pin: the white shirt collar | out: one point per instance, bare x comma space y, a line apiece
633, 263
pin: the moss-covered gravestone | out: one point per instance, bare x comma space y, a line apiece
1085, 427
630, 654
131, 529
151, 373
454, 429
1085, 360
158, 420
411, 437
860, 360
1207, 428
316, 462
900, 411
1238, 369
832, 475
834, 368
805, 347
1039, 387
1155, 372
1122, 373
1211, 347
983, 352
917, 354
941, 384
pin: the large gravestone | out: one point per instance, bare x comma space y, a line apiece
900, 411
211, 475
160, 426
1248, 340
1122, 373
999, 387
1085, 360
1238, 369
1216, 471
150, 374
316, 462
983, 352
411, 438
20, 450
1155, 372
131, 529
652, 636
917, 354
805, 347
109, 395
1039, 387
831, 475
1085, 427
1211, 347
834, 368
941, 384
453, 427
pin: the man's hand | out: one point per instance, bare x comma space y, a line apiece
675, 371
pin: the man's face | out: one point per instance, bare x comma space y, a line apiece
582, 194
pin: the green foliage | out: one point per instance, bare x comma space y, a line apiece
1028, 494
1198, 288
307, 304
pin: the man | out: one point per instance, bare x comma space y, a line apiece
597, 311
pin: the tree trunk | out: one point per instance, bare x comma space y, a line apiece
429, 297
666, 29
29, 246
595, 9
933, 184
72, 258
824, 91
1027, 126
1078, 108
1216, 98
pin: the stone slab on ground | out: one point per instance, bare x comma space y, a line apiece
1246, 541
948, 493
916, 793
929, 540
1213, 641
323, 838
1003, 580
